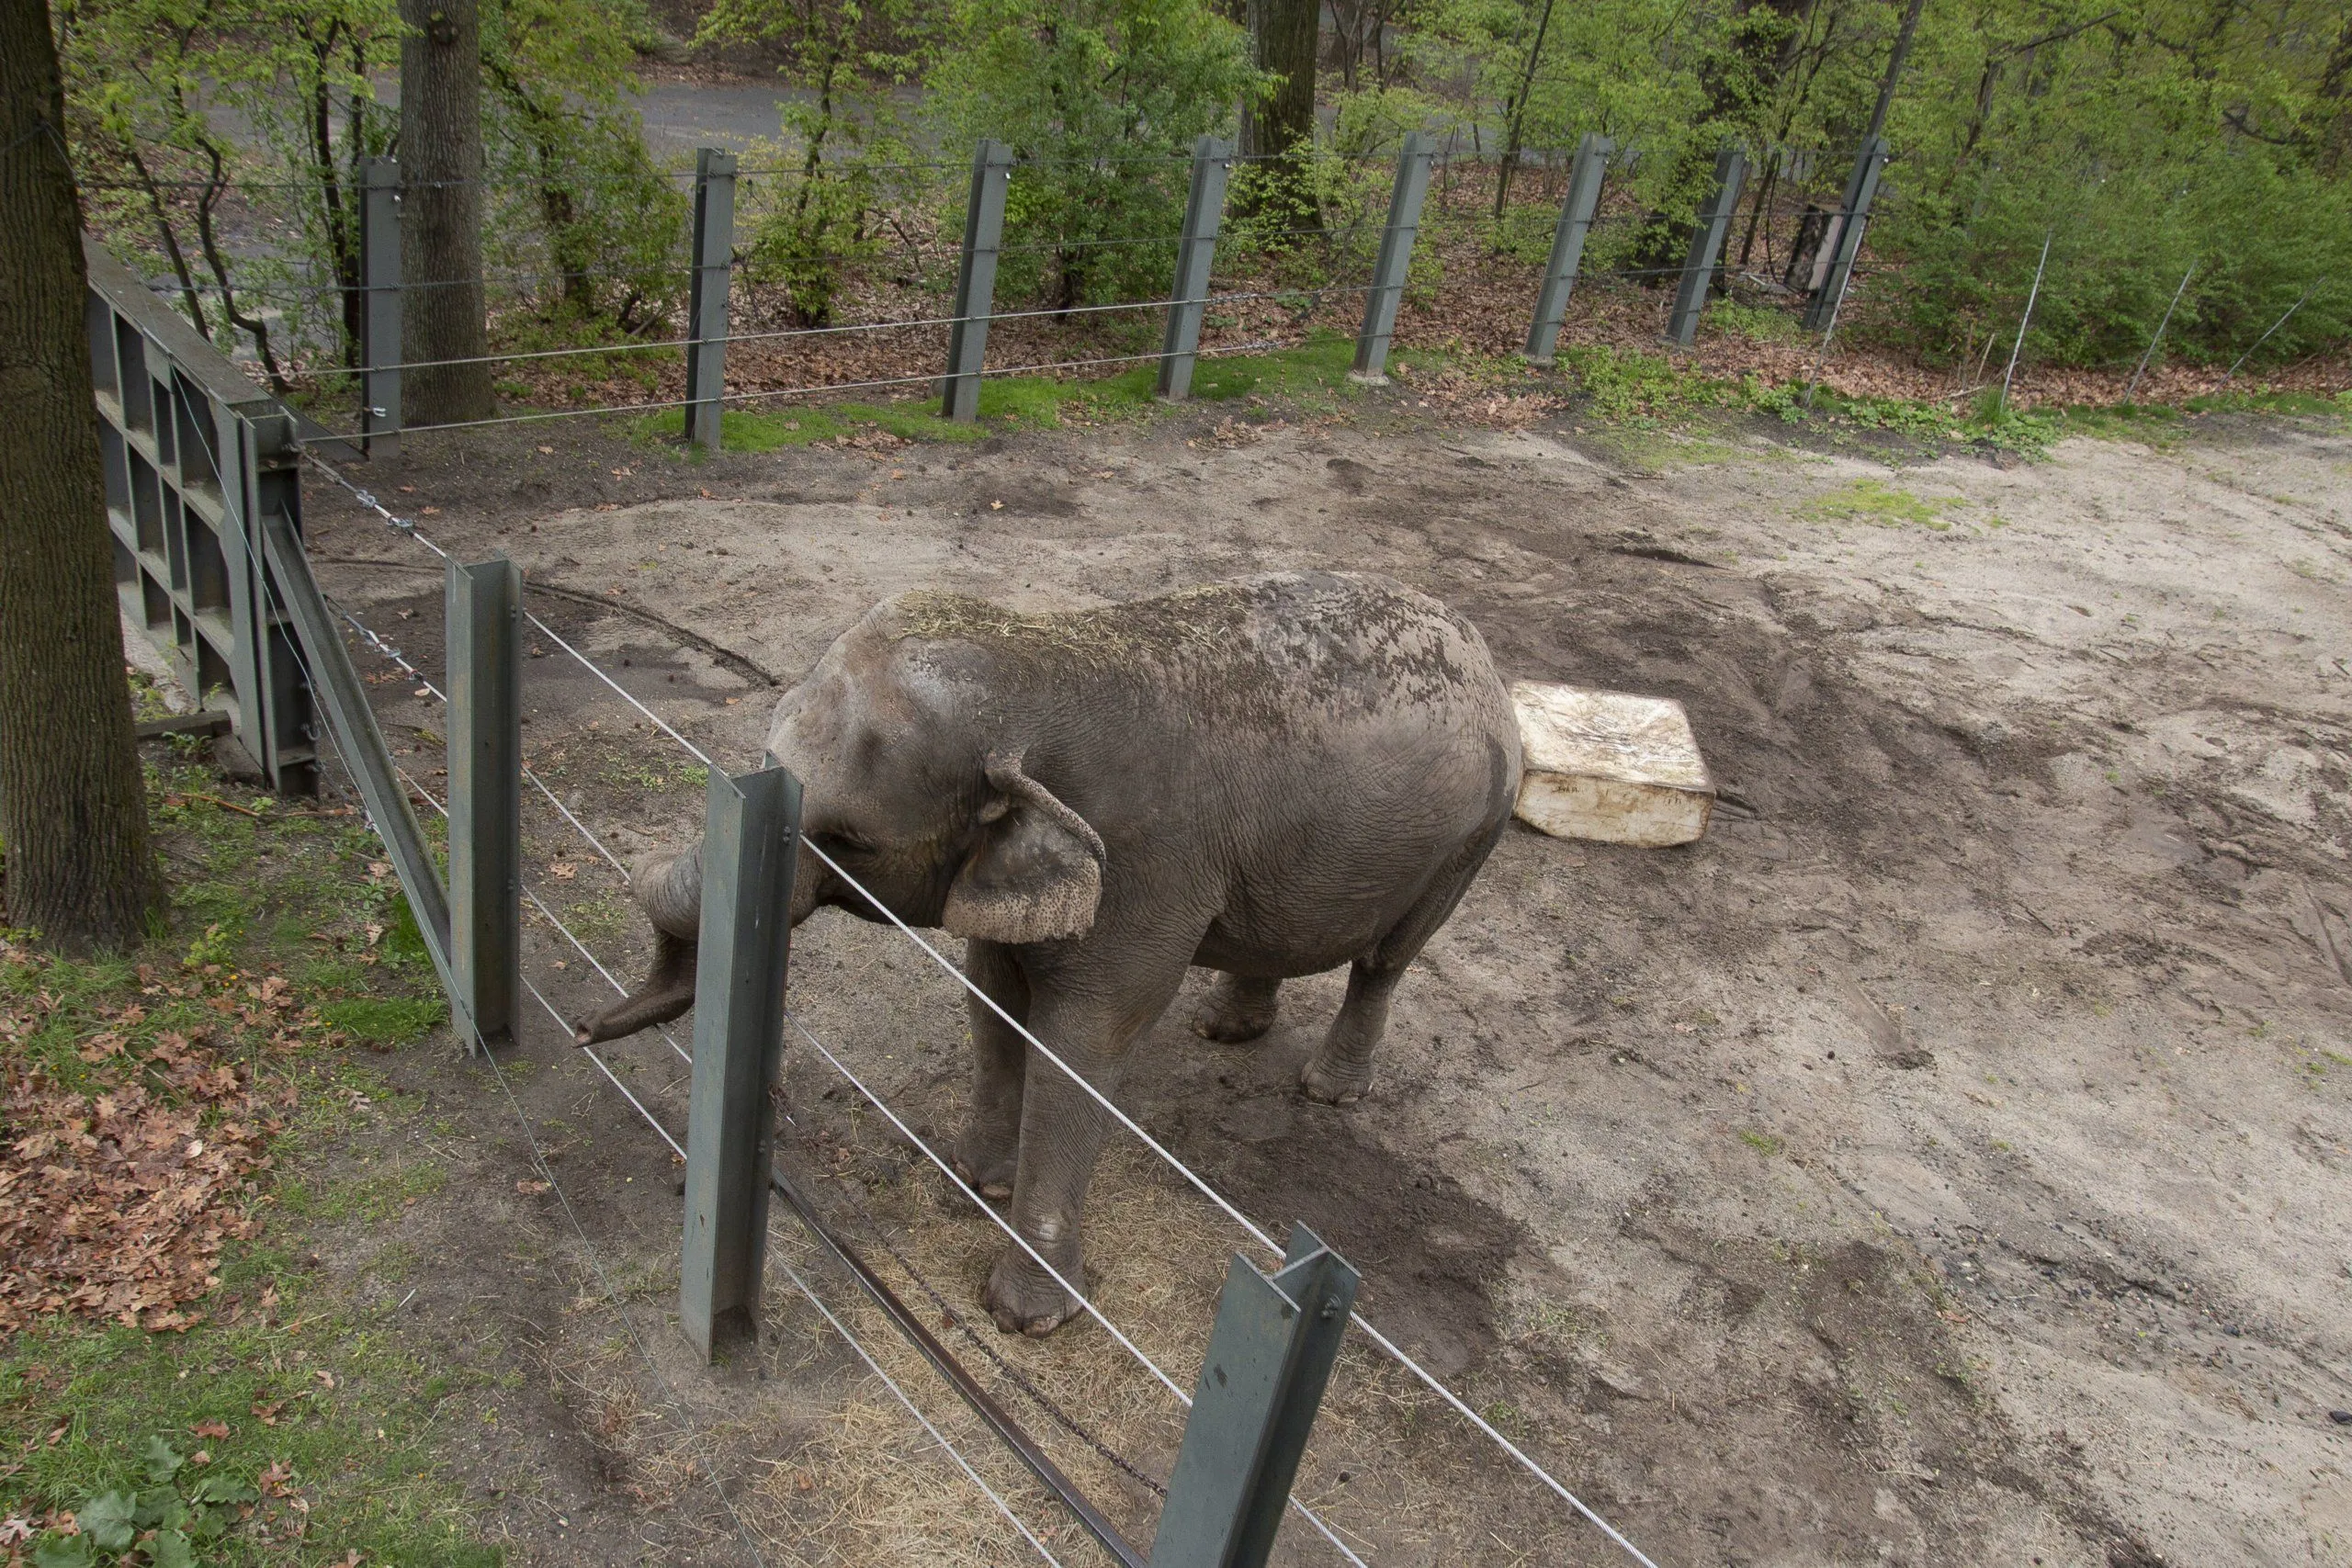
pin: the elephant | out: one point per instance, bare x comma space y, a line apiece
1267, 777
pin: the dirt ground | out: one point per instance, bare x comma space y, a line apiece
1946, 1160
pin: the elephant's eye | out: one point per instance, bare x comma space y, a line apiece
835, 840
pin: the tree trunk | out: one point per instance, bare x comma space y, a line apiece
1893, 71
1283, 35
1516, 113
72, 804
442, 315
2336, 135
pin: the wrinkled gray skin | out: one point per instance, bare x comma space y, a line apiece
1269, 777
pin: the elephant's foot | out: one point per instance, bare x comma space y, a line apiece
1335, 1082
1025, 1299
986, 1162
1237, 1010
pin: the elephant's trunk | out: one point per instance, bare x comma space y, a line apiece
668, 991
669, 888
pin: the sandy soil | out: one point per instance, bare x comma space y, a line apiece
1948, 1160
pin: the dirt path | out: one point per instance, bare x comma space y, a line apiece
1948, 1160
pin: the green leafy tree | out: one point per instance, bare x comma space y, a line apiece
1102, 100
843, 137
149, 85
575, 198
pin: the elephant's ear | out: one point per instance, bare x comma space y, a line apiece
1036, 873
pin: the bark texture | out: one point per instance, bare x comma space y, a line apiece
1283, 37
73, 805
441, 203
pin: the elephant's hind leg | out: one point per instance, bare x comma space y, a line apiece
1238, 1009
1341, 1069
988, 1155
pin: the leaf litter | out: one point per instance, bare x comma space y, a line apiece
119, 1191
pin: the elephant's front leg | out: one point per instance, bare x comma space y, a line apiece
987, 1153
1062, 1128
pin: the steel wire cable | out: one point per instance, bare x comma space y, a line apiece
539, 1158
555, 920
286, 291
679, 1149
1022, 1242
927, 377
1199, 1183
733, 339
389, 651
1093, 1310
876, 1367
582, 948
394, 654
1012, 1373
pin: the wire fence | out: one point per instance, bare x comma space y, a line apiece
1093, 244
861, 1086
1074, 279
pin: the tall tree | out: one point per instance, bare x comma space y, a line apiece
1278, 122
1893, 69
445, 315
1515, 114
73, 805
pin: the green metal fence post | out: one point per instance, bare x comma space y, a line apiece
380, 322
1270, 1356
1395, 259
1706, 246
1846, 243
1568, 246
483, 616
967, 340
1204, 212
713, 271
751, 843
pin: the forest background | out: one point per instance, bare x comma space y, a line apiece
2189, 159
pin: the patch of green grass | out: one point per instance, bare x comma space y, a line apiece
375, 1197
1628, 386
386, 1020
2155, 424
1317, 370
2301, 405
318, 1406
1762, 324
1764, 1143
599, 919
1872, 501
282, 1427
770, 430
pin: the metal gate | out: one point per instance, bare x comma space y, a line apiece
197, 457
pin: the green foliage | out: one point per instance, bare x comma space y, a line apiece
163, 1524
843, 140
151, 89
1628, 385
574, 197
1102, 101
2146, 139
183, 112
1764, 323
